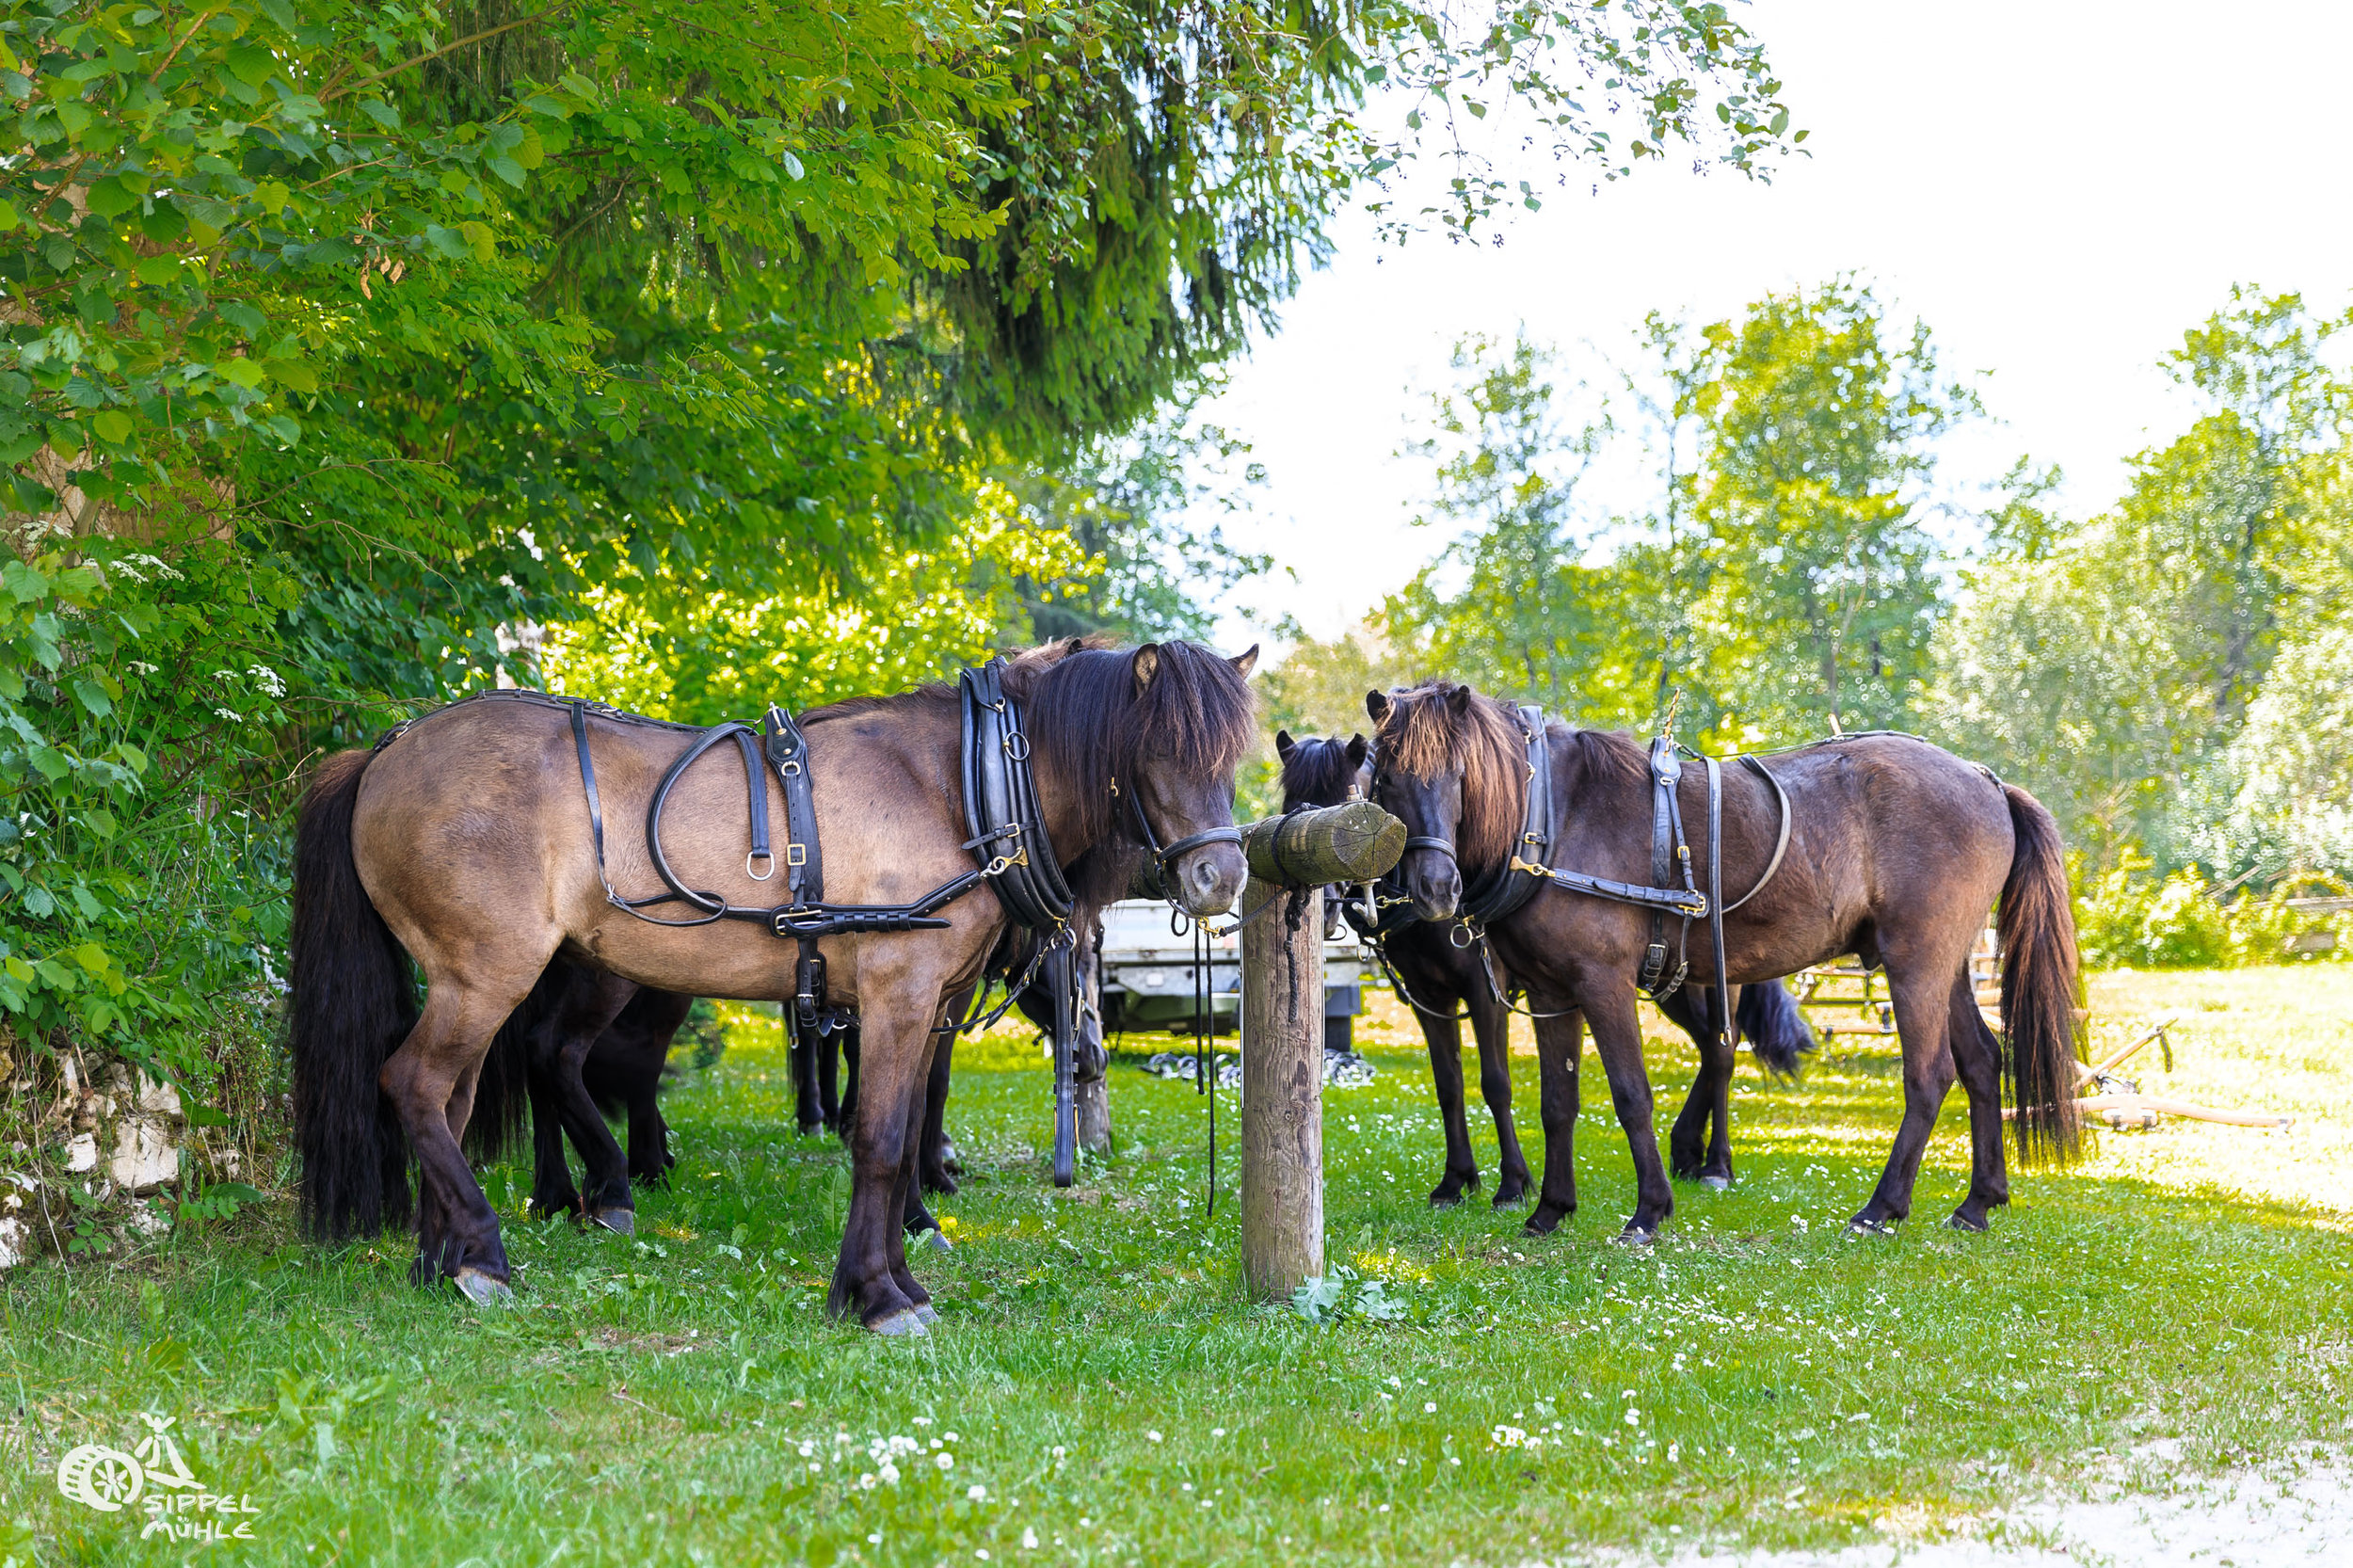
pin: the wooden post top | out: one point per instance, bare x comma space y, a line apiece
1354, 841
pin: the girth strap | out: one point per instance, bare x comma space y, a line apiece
804, 860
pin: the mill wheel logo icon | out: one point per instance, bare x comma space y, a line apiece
104, 1479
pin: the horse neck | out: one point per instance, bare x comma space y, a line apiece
1068, 807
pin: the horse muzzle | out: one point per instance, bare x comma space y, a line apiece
1209, 879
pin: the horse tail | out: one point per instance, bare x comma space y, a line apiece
353, 1003
2041, 987
1778, 1035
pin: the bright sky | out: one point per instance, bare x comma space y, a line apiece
2058, 188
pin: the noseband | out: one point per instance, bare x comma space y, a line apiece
1164, 856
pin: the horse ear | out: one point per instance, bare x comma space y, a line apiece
1073, 645
1284, 744
1377, 704
1457, 700
1356, 749
1247, 661
1147, 664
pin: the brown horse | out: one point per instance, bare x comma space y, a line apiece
1896, 849
464, 843
1432, 976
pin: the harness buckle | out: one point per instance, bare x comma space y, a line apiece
794, 854
759, 855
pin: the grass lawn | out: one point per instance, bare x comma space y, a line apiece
1099, 1391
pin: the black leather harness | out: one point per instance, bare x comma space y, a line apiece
1509, 886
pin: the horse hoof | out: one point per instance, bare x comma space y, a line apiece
1863, 1226
903, 1323
481, 1289
1635, 1236
1719, 1183
926, 1311
620, 1222
1444, 1199
935, 1239
1964, 1220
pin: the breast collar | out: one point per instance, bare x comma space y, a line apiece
1499, 892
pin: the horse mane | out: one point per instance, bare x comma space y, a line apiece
1317, 773
1423, 736
1611, 756
1082, 708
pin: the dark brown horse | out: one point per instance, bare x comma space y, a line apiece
1434, 976
566, 1059
463, 842
1896, 849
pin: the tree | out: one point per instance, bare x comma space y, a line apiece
1817, 450
2113, 672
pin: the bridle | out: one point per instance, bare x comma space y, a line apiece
1164, 856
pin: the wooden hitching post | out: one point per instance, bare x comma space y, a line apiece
1282, 1022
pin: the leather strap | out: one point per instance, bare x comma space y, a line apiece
1061, 978
1000, 805
804, 858
1781, 845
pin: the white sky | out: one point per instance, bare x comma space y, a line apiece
2058, 189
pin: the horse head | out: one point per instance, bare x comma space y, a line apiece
1448, 763
1147, 741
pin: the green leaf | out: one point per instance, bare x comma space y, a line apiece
251, 66
93, 695
110, 197
156, 271
505, 168
245, 373
295, 374
112, 424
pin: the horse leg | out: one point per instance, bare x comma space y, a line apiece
1694, 1151
1559, 1041
552, 1188
1618, 1041
1491, 1026
585, 1011
1921, 1007
647, 1055
871, 1279
809, 1112
935, 1173
1445, 1037
429, 1081
842, 1112
1978, 1057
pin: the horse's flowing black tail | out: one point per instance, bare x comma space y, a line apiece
2041, 987
354, 1002
1774, 1027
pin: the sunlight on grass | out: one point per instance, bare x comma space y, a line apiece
1102, 1391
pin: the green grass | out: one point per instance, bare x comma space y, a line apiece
1757, 1377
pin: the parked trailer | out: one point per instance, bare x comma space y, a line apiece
1148, 977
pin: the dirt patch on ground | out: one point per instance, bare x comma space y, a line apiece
2292, 1516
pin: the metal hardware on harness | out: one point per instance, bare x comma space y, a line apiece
1001, 803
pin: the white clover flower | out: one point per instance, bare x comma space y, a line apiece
1029, 1539
865, 1481
1633, 1417
1151, 1436
1060, 1451
890, 1473
976, 1493
923, 1420
949, 1435
1217, 1432
1429, 1407
946, 1462
1507, 1437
